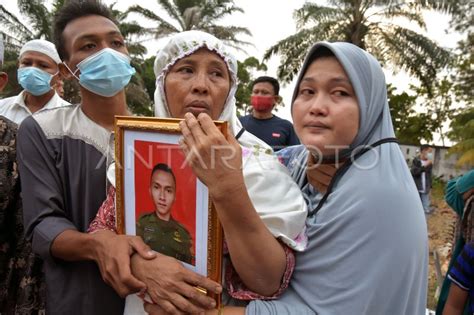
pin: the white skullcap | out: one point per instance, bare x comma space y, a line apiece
41, 46
1, 49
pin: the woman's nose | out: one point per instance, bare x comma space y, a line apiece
319, 106
200, 83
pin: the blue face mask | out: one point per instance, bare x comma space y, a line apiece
105, 73
34, 80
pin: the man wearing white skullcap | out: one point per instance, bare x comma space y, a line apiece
38, 72
23, 286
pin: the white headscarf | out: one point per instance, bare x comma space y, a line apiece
272, 191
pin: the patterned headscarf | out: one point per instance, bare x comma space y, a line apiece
266, 180
183, 45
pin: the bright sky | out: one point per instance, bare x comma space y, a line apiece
270, 21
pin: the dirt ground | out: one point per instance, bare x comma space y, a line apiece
441, 225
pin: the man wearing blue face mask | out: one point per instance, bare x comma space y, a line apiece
421, 171
38, 71
63, 157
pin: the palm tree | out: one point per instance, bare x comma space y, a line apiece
371, 25
185, 15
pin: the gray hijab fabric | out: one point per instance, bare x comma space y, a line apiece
368, 245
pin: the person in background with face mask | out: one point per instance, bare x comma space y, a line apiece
276, 132
421, 171
38, 71
63, 155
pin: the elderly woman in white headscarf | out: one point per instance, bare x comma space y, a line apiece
260, 207
368, 247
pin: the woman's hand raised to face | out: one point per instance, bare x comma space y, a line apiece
215, 159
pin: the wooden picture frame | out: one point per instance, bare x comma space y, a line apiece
141, 143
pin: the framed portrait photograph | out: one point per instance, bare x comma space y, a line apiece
160, 198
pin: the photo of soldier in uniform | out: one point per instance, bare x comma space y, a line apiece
157, 226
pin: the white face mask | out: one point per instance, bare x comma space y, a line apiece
429, 155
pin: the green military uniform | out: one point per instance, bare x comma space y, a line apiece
167, 237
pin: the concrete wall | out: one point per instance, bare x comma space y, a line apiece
443, 164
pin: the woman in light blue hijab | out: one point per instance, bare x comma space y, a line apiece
368, 246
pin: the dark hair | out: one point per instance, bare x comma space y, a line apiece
321, 52
272, 81
165, 168
423, 147
74, 9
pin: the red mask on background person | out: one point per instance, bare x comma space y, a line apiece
261, 103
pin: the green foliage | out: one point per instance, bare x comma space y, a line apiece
437, 100
38, 17
10, 66
462, 132
462, 123
148, 75
462, 12
369, 25
464, 70
185, 15
410, 127
131, 31
246, 78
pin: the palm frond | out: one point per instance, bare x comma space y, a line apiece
409, 12
14, 26
173, 10
228, 34
446, 6
415, 53
129, 29
195, 14
160, 32
316, 14
11, 43
222, 8
293, 48
136, 49
39, 17
153, 17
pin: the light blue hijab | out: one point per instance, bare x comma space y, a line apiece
368, 246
